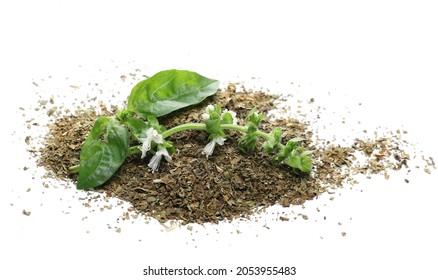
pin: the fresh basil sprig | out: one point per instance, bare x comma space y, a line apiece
108, 143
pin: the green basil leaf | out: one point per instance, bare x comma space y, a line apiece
268, 147
153, 122
216, 113
295, 162
297, 139
214, 128
254, 117
168, 91
306, 164
300, 163
137, 127
227, 118
104, 150
306, 153
274, 141
248, 142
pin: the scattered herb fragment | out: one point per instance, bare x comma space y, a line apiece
229, 184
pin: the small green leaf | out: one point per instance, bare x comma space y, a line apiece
104, 150
286, 151
153, 122
227, 118
306, 164
294, 162
274, 141
216, 112
254, 117
213, 126
123, 114
306, 153
297, 139
300, 163
248, 142
168, 91
137, 127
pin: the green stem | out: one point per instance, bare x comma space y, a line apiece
188, 126
134, 150
201, 126
244, 128
182, 127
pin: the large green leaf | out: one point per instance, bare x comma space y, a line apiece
168, 91
104, 150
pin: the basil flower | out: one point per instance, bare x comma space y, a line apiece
151, 136
208, 110
155, 160
209, 148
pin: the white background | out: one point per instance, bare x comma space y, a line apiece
378, 53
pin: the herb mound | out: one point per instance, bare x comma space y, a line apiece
229, 184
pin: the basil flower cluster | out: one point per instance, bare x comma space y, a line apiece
213, 119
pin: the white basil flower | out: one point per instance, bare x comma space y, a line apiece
155, 160
151, 136
209, 148
208, 110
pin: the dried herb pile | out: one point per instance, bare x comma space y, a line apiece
229, 184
